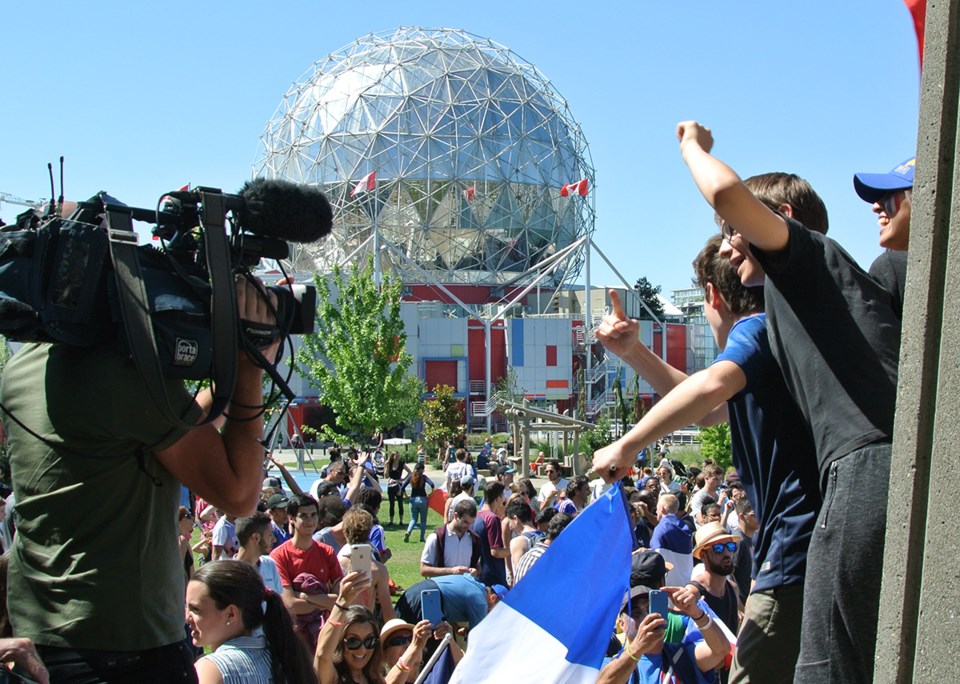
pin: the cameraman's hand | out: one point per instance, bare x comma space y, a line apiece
257, 304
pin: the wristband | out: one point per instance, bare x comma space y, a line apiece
335, 623
341, 607
402, 665
706, 625
634, 658
700, 617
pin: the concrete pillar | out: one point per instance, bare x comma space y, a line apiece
919, 629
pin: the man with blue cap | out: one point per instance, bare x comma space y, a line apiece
891, 195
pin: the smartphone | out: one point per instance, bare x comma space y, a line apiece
360, 558
658, 603
430, 607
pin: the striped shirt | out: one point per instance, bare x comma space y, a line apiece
243, 660
528, 559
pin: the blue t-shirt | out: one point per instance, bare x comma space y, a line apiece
672, 535
774, 454
463, 597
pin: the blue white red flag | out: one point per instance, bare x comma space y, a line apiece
532, 635
442, 669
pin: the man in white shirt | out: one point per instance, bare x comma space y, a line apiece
458, 469
550, 491
255, 534
457, 552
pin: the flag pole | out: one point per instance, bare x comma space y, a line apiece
376, 247
447, 638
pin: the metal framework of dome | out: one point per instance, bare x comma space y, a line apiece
470, 146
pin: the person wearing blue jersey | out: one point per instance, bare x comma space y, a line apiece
772, 451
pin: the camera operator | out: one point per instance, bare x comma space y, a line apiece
96, 578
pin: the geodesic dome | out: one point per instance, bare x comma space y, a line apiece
469, 144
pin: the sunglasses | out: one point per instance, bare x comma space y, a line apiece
354, 643
398, 641
730, 546
891, 203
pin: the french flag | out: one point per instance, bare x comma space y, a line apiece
366, 184
531, 635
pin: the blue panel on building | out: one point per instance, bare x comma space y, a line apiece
516, 339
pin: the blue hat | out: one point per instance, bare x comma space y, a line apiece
499, 590
873, 186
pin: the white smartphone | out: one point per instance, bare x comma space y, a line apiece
360, 558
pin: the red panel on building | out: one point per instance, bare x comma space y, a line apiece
476, 351
440, 372
551, 350
498, 351
677, 346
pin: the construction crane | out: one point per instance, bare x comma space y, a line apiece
12, 199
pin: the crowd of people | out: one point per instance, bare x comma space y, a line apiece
106, 584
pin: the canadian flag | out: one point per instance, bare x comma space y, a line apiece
578, 188
366, 184
470, 192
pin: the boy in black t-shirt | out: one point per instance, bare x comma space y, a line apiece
836, 339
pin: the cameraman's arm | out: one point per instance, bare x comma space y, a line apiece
226, 468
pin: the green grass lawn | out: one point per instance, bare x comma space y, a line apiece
404, 566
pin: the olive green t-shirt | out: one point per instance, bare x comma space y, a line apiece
95, 563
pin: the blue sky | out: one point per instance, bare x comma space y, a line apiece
143, 97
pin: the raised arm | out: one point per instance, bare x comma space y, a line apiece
287, 477
725, 192
620, 335
332, 631
690, 400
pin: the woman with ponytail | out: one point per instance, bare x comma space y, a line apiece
246, 625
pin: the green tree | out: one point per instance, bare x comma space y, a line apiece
357, 357
648, 293
598, 437
442, 416
715, 444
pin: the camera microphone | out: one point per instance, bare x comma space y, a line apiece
286, 211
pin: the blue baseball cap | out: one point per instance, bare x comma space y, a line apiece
499, 590
873, 186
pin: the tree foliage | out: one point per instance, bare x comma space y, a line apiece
648, 293
598, 437
357, 357
442, 416
715, 444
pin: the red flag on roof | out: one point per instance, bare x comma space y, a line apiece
578, 188
470, 192
366, 184
185, 188
918, 8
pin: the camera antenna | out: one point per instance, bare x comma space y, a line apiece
60, 197
53, 190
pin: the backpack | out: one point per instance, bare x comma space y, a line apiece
441, 533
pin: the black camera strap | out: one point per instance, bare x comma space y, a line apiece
135, 308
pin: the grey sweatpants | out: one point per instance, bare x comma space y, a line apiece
844, 566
